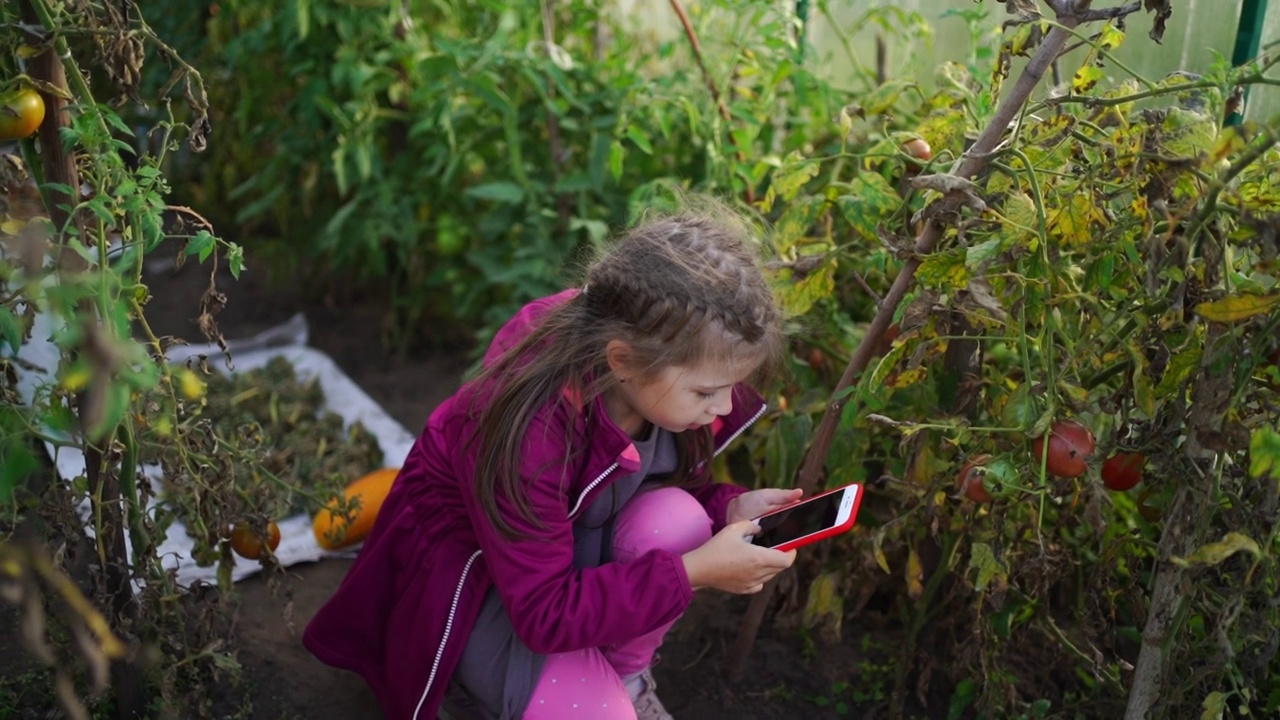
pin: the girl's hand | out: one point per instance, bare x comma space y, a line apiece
751, 505
729, 562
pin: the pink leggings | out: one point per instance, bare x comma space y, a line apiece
588, 683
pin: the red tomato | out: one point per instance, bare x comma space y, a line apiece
1123, 470
1070, 445
970, 479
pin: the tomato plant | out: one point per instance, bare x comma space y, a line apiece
21, 112
1070, 446
1123, 470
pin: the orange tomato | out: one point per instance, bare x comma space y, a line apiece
21, 112
248, 544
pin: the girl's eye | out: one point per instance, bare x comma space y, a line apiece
707, 396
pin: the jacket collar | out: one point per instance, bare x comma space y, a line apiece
613, 450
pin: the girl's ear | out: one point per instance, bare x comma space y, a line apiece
618, 354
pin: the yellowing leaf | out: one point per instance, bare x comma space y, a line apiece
1019, 220
799, 296
1188, 134
1230, 142
1112, 37
983, 560
869, 200
1020, 40
906, 378
944, 131
1214, 705
1085, 78
1074, 223
915, 575
796, 221
788, 179
191, 386
1215, 552
921, 471
76, 378
1264, 453
878, 550
825, 605
944, 270
1237, 307
884, 97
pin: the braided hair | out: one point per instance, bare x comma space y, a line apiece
680, 291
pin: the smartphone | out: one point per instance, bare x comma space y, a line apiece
808, 521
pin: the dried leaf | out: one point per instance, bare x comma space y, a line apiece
1163, 10
951, 185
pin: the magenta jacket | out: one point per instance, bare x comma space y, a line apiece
402, 615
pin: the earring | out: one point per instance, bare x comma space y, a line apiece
622, 379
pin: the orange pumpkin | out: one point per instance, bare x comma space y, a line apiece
334, 530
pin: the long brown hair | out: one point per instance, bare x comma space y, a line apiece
679, 290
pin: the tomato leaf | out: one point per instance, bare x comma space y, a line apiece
1180, 367
796, 221
200, 244
1264, 453
799, 296
795, 172
869, 200
500, 191
1237, 307
944, 270
983, 560
10, 329
825, 604
1215, 552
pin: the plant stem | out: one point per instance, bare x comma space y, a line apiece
696, 46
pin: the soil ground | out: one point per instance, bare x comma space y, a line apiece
282, 681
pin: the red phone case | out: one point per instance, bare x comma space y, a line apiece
828, 532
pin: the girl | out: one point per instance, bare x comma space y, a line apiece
557, 513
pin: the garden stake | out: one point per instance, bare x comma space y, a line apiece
971, 163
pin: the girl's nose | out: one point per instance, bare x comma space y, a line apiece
723, 405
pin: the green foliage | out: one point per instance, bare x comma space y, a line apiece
460, 156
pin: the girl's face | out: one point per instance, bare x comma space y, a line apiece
677, 398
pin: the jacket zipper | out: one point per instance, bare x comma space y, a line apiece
742, 429
592, 486
448, 628
466, 570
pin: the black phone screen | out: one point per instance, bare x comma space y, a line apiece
795, 522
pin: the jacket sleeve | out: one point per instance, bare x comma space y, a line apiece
554, 606
715, 497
